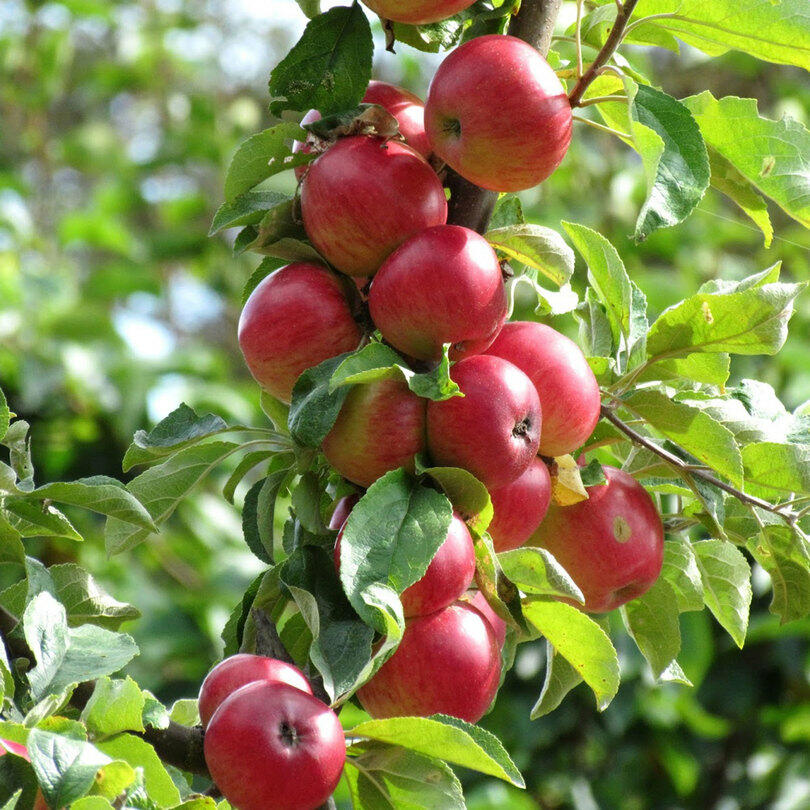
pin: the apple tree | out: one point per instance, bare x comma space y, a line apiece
438, 480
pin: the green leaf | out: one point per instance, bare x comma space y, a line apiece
783, 467
680, 570
246, 464
733, 183
329, 68
652, 621
31, 518
561, 678
139, 754
181, 428
696, 432
162, 487
776, 32
114, 706
389, 539
580, 640
258, 513
712, 369
624, 303
385, 777
281, 235
770, 155
681, 173
315, 407
536, 572
726, 578
261, 156
508, 211
376, 361
312, 8
5, 416
65, 767
19, 445
246, 209
86, 601
185, 712
468, 495
341, 642
751, 321
100, 494
778, 551
268, 265
445, 738
535, 246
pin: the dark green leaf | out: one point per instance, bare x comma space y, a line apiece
314, 406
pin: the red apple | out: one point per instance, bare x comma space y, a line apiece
493, 430
497, 113
611, 544
380, 427
19, 750
568, 390
520, 506
295, 318
497, 624
444, 285
240, 670
408, 109
342, 509
270, 745
447, 662
417, 12
447, 577
364, 197
303, 146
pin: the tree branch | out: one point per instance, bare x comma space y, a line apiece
611, 43
470, 205
690, 471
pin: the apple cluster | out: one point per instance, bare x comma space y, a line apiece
268, 742
376, 211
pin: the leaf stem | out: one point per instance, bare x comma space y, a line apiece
579, 39
613, 41
602, 127
601, 99
689, 471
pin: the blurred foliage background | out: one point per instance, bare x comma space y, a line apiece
117, 120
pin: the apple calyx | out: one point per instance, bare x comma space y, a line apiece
365, 119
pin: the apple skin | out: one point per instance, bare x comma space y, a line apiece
296, 317
443, 285
448, 662
568, 390
407, 108
493, 431
240, 670
380, 427
520, 506
342, 510
270, 746
611, 544
17, 749
447, 577
417, 12
497, 624
364, 197
497, 113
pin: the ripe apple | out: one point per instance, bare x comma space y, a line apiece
568, 390
380, 427
417, 12
296, 317
342, 509
497, 624
19, 750
497, 113
447, 577
447, 662
520, 506
364, 197
494, 429
443, 285
407, 108
240, 670
270, 745
611, 544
